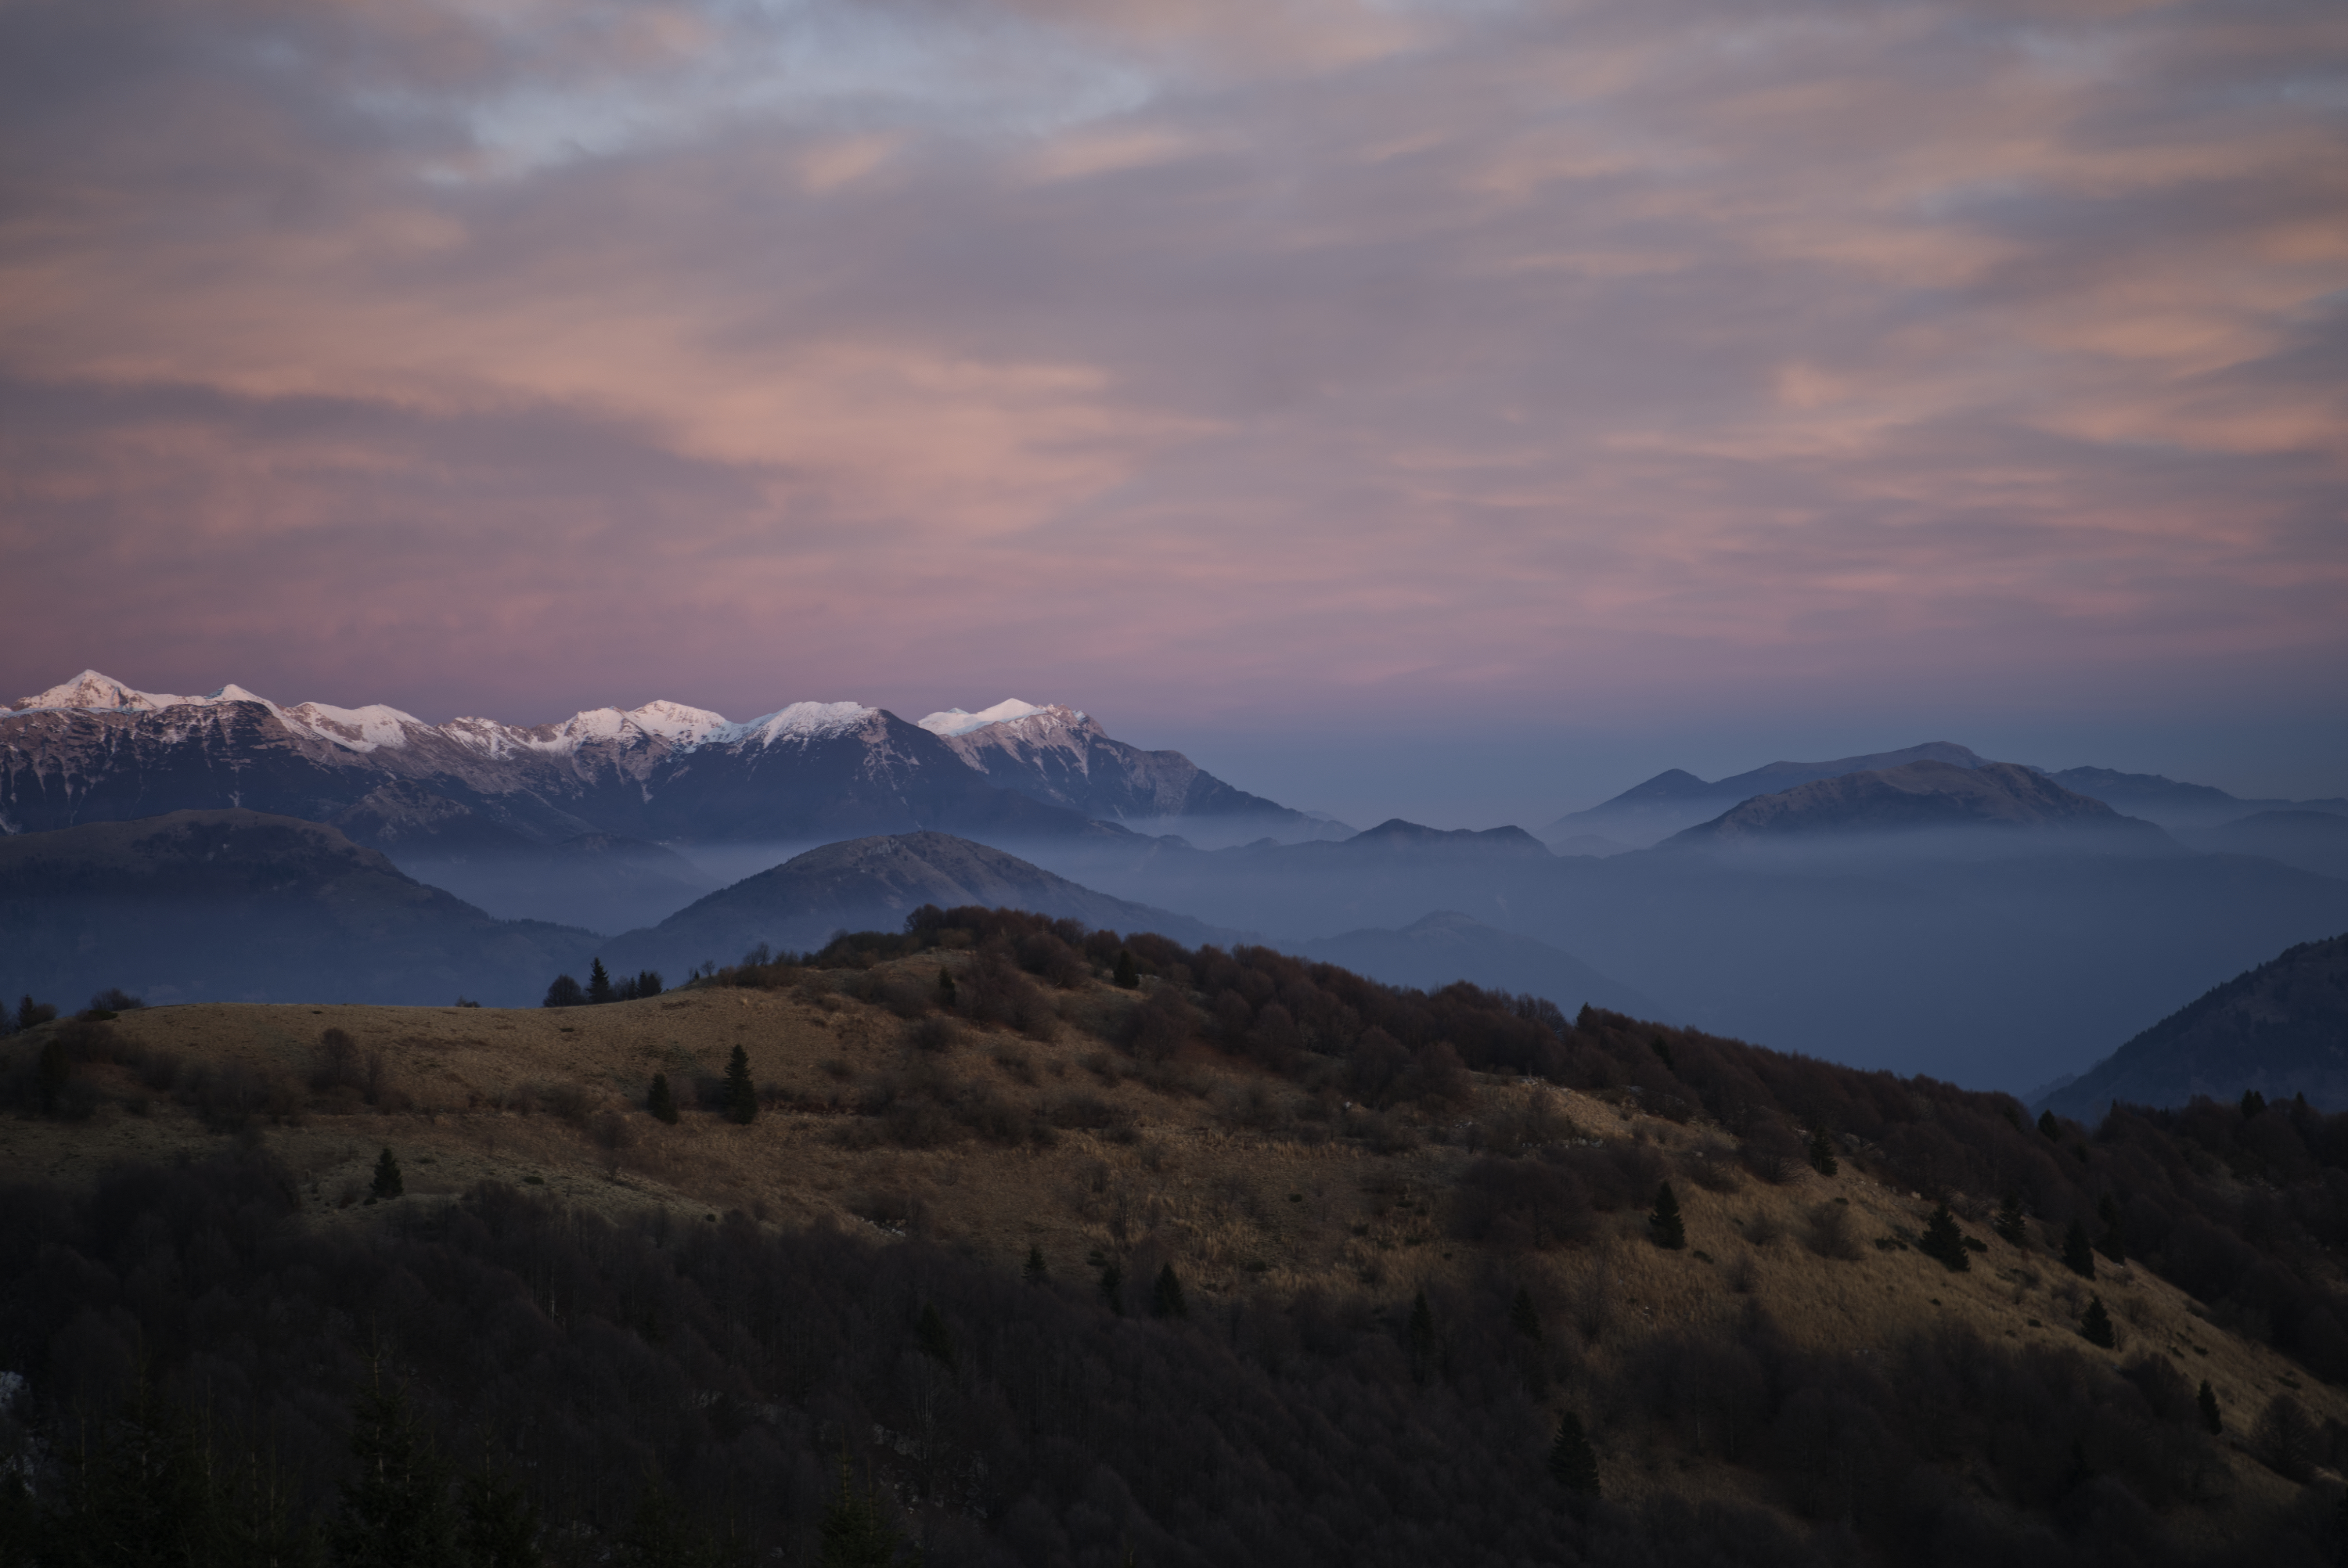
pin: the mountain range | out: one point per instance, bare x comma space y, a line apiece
93, 749
1674, 800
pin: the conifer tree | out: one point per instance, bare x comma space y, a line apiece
1664, 1224
1166, 1296
2113, 1245
387, 1181
2253, 1103
500, 1529
664, 1535
929, 1334
1128, 977
2077, 1255
2096, 1325
599, 984
946, 987
1112, 1286
662, 1100
2048, 1125
1522, 1318
139, 1490
1572, 1462
1822, 1153
2010, 1223
741, 1095
1419, 1336
1944, 1242
855, 1531
395, 1505
1036, 1270
2207, 1400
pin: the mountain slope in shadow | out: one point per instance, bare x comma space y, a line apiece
240, 905
873, 883
2281, 1029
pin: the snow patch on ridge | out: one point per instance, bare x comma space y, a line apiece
959, 722
378, 726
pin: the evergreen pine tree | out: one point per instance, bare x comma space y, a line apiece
929, 1334
946, 987
2253, 1103
1664, 1224
500, 1529
1572, 1462
388, 1181
664, 1535
1035, 1271
741, 1095
1166, 1296
2010, 1223
2048, 1125
1822, 1153
2212, 1421
2077, 1255
1128, 977
1944, 1242
662, 1100
1112, 1286
1522, 1318
2096, 1325
855, 1531
139, 1490
2113, 1245
1419, 1337
599, 984
395, 1505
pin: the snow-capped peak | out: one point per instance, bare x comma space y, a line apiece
92, 689
352, 729
959, 722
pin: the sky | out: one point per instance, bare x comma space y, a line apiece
1457, 409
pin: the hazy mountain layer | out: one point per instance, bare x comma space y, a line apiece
2311, 840
873, 883
239, 906
1919, 796
1957, 953
1648, 812
2281, 1029
2173, 805
1447, 946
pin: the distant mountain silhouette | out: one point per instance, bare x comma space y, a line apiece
1920, 797
1447, 946
873, 883
2282, 1028
1653, 811
2313, 841
240, 905
2173, 805
605, 881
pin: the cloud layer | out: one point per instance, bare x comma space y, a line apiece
1216, 363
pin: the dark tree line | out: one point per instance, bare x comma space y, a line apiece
567, 992
502, 1381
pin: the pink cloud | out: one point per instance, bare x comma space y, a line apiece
1213, 361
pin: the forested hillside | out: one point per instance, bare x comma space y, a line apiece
1019, 1243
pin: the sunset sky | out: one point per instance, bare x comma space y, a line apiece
1570, 390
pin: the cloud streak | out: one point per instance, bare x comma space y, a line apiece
1555, 360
